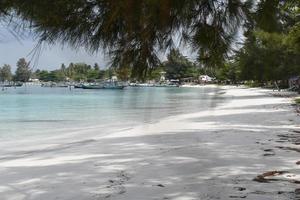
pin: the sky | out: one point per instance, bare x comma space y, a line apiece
13, 48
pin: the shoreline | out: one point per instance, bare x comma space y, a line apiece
212, 154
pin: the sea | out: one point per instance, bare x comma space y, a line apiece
34, 111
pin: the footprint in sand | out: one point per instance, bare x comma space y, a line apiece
116, 186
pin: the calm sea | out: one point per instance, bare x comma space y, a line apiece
33, 110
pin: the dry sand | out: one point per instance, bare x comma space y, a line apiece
246, 148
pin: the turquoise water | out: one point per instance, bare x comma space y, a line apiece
33, 110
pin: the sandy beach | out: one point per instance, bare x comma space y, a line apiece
246, 148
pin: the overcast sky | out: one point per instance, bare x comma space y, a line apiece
11, 49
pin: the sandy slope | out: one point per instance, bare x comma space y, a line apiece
205, 155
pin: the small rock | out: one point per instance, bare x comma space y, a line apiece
298, 163
295, 181
269, 154
240, 188
122, 192
273, 173
160, 185
268, 150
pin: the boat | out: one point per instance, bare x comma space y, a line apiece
92, 86
119, 87
105, 85
78, 86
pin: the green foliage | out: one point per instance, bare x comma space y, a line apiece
228, 72
272, 53
266, 56
135, 32
75, 72
23, 71
43, 75
297, 101
178, 66
55, 76
155, 74
292, 40
5, 73
123, 73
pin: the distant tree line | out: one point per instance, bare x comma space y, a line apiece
22, 73
74, 72
176, 66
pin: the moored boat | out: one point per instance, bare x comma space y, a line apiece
120, 87
92, 86
78, 86
105, 85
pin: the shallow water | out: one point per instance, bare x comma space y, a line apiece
33, 110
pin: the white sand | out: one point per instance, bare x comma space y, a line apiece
205, 155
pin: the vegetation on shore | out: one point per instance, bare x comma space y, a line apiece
22, 73
176, 66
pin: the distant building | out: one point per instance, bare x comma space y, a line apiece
114, 78
35, 80
205, 79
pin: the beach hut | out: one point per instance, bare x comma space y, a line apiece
205, 79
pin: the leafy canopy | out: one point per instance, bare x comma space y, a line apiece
134, 32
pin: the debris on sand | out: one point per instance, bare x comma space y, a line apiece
116, 186
240, 188
296, 131
262, 178
237, 197
160, 185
